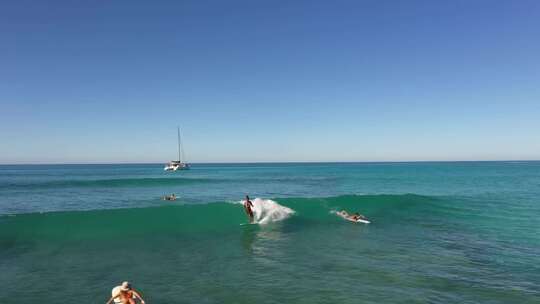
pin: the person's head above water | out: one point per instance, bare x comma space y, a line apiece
126, 286
247, 198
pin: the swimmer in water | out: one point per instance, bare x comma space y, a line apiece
125, 294
247, 208
171, 197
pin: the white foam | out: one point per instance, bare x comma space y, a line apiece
268, 211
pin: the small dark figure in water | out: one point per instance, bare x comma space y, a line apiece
247, 208
171, 197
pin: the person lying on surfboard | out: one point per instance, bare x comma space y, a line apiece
247, 208
355, 216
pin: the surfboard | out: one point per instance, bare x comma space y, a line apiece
357, 221
244, 224
363, 221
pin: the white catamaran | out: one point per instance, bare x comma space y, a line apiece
175, 165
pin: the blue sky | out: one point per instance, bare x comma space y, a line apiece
109, 81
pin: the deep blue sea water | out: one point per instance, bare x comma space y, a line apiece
441, 232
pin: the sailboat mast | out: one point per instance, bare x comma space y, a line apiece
179, 144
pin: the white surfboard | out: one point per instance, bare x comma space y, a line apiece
363, 221
244, 224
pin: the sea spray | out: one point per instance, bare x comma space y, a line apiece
268, 211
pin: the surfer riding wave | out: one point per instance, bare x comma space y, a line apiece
247, 208
264, 211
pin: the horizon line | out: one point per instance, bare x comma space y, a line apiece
273, 162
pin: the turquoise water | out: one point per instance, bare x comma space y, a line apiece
463, 232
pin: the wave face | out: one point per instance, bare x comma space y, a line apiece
188, 218
223, 216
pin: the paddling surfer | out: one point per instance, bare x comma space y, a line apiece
355, 216
247, 208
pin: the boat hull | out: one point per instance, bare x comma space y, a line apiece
176, 167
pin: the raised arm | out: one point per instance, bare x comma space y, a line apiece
137, 295
112, 298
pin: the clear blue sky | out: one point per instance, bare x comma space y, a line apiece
108, 81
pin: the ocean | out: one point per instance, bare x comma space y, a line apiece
440, 232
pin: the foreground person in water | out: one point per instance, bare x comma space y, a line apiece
247, 208
124, 294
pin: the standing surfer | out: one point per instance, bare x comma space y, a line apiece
247, 208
